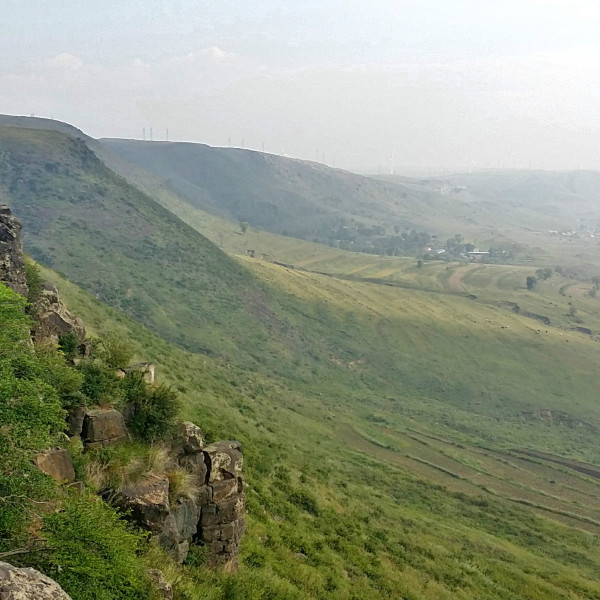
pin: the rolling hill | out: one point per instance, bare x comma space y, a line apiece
408, 432
526, 211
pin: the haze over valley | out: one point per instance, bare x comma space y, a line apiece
238, 370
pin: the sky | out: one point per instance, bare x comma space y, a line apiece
364, 85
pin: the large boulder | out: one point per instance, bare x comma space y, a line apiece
12, 263
52, 319
148, 503
28, 584
57, 463
103, 427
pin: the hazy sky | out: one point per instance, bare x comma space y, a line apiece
443, 83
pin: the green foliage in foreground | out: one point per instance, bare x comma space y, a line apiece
79, 540
31, 416
93, 553
155, 408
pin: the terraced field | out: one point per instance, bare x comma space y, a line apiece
543, 484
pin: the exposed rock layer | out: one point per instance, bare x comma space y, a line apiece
28, 584
12, 263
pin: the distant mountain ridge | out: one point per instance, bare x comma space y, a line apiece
294, 197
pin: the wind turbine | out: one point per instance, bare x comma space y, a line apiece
391, 160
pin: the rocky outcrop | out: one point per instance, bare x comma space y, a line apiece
28, 584
148, 503
12, 263
190, 437
52, 319
103, 427
57, 463
212, 517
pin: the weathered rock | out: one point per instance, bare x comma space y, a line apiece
195, 464
28, 584
57, 463
75, 421
12, 263
186, 514
161, 585
191, 437
169, 539
103, 427
52, 319
225, 460
149, 504
228, 511
204, 495
85, 349
224, 489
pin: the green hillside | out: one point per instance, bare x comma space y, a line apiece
107, 236
282, 195
421, 432
537, 215
343, 505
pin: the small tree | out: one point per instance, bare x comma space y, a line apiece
531, 282
243, 227
115, 352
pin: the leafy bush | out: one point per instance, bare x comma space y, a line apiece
53, 370
100, 383
67, 344
35, 281
92, 553
155, 411
115, 352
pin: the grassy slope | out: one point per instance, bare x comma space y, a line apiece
109, 237
336, 514
278, 194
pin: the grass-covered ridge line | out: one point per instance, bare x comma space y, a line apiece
125, 248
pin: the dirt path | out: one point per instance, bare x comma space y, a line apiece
455, 280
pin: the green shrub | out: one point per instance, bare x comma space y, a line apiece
100, 383
67, 344
66, 380
93, 554
155, 412
35, 281
115, 352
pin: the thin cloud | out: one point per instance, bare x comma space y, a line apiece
219, 54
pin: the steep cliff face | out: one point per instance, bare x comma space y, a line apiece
12, 263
